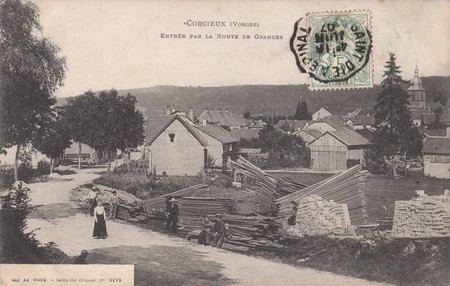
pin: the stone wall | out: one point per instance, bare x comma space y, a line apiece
422, 217
316, 216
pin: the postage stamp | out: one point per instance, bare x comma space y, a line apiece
334, 49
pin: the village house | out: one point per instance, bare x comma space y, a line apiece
87, 152
436, 157
338, 147
174, 146
220, 143
222, 118
321, 113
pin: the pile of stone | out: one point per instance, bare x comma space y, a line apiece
422, 217
316, 216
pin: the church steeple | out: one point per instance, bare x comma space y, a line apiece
416, 91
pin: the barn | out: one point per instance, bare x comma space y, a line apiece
338, 150
436, 157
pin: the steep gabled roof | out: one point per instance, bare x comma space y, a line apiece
436, 145
245, 133
223, 118
313, 132
157, 124
217, 133
436, 132
347, 136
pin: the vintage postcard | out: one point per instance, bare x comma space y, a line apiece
224, 142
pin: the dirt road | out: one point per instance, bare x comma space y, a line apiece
158, 259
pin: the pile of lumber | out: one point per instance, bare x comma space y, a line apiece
193, 210
347, 187
265, 186
159, 204
316, 216
422, 217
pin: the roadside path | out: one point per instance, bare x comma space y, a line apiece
159, 259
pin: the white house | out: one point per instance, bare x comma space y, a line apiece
174, 147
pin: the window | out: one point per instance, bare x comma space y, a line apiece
172, 137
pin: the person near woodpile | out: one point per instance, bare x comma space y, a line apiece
100, 221
205, 235
114, 205
92, 200
219, 232
172, 212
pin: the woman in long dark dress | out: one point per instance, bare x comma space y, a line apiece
100, 221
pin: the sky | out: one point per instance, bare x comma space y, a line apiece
118, 44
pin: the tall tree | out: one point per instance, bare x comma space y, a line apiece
301, 113
394, 132
107, 122
55, 139
83, 119
31, 71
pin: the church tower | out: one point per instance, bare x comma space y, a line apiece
416, 92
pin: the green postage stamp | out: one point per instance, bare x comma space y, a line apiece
334, 49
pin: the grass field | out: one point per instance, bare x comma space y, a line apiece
382, 191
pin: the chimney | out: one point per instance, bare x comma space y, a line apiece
204, 120
191, 114
172, 110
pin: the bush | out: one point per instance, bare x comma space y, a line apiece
6, 177
25, 171
43, 167
145, 187
19, 246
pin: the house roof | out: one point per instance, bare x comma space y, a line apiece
428, 118
223, 118
363, 120
245, 133
157, 124
292, 124
217, 133
366, 133
436, 145
347, 136
313, 132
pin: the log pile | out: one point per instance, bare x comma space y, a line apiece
422, 217
316, 216
347, 188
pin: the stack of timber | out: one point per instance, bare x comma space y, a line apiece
159, 204
422, 217
193, 210
265, 186
347, 187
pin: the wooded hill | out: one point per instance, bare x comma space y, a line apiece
268, 99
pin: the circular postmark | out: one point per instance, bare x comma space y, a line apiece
331, 47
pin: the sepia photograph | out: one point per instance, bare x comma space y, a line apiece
296, 142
